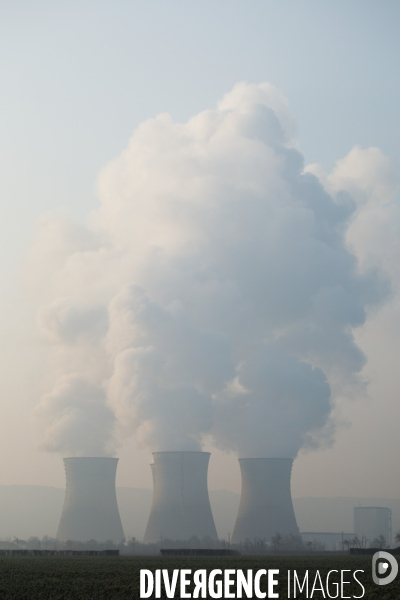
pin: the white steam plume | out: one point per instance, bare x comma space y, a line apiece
213, 291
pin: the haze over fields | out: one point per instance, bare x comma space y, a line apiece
41, 515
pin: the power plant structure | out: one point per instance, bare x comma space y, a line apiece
266, 506
90, 510
181, 506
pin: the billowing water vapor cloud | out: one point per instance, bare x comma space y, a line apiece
214, 291
74, 418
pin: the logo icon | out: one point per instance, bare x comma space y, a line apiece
384, 568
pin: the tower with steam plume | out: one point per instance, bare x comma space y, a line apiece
181, 506
230, 294
90, 509
265, 504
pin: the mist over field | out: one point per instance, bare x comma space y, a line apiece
40, 517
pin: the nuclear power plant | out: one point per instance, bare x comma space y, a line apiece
181, 506
266, 506
90, 509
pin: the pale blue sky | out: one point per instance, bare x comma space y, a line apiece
77, 77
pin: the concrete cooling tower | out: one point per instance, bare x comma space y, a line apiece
181, 506
90, 509
266, 503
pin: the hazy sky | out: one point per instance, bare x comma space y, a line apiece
77, 78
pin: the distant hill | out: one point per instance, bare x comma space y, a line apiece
29, 510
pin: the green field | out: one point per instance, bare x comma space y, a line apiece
117, 578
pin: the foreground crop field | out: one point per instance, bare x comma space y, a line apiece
117, 578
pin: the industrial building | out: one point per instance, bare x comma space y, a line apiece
266, 506
181, 507
370, 522
90, 509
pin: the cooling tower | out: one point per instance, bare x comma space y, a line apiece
181, 506
266, 503
90, 509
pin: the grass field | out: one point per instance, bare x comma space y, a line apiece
117, 578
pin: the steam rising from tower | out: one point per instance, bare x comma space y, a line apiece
181, 506
213, 292
90, 509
